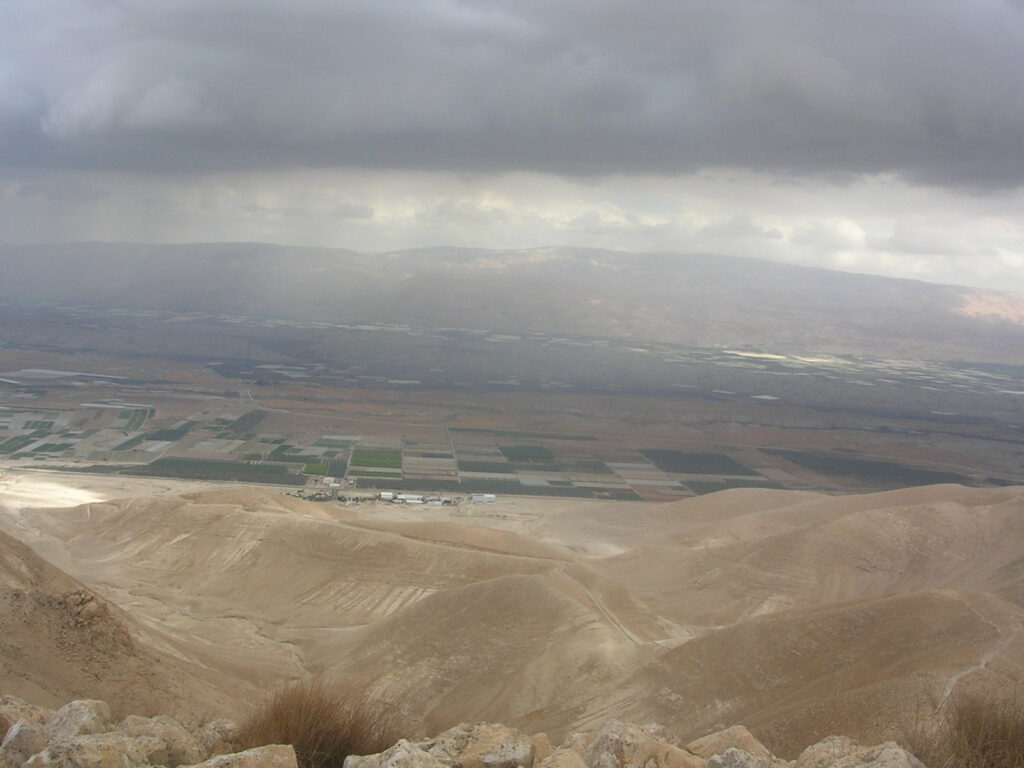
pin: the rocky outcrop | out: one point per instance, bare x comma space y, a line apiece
621, 745
841, 752
402, 755
271, 756
182, 747
78, 718
13, 709
481, 745
82, 734
737, 736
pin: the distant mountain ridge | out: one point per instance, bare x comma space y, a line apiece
694, 299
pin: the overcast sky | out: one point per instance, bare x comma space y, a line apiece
883, 136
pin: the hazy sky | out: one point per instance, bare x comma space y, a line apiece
883, 136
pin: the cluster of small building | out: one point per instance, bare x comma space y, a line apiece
433, 501
414, 498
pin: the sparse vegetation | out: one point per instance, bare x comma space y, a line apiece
321, 722
975, 730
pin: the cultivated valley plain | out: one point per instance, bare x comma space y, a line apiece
735, 523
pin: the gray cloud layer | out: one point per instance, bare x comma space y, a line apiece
928, 89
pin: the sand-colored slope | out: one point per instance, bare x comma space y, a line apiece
493, 650
270, 587
796, 613
861, 668
827, 549
59, 641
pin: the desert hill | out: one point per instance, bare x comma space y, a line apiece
60, 640
800, 675
826, 550
691, 299
798, 614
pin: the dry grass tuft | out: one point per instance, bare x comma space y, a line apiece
321, 722
975, 730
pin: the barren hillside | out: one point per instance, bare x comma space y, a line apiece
795, 613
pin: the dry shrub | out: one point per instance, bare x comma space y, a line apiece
322, 722
974, 730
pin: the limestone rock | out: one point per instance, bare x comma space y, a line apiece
737, 736
101, 750
482, 745
270, 756
182, 747
661, 733
738, 758
578, 741
23, 740
13, 709
541, 747
620, 745
563, 758
841, 752
826, 752
401, 755
217, 736
79, 718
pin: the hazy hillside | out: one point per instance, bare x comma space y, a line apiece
686, 299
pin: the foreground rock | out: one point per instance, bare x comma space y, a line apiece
841, 752
82, 734
271, 756
621, 745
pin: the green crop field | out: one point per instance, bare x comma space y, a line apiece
889, 474
246, 422
172, 435
15, 443
527, 453
211, 469
695, 463
290, 453
54, 447
367, 457
486, 466
330, 442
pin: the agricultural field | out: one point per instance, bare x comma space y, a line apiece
749, 421
368, 457
207, 469
694, 463
870, 472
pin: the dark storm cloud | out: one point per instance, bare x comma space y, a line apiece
929, 90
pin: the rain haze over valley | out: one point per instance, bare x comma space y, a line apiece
538, 363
